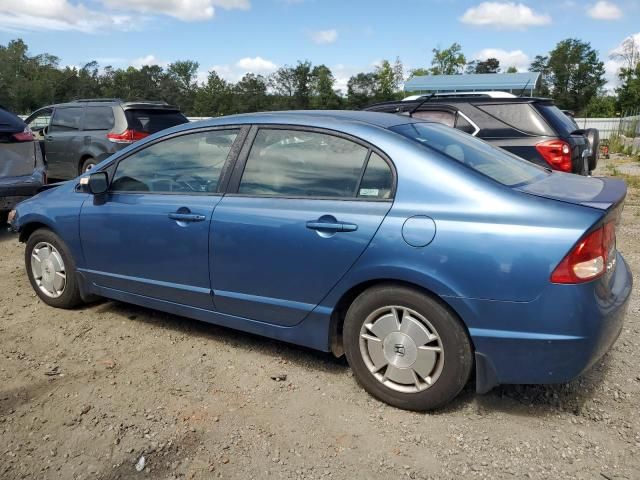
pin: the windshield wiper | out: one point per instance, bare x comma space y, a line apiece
415, 109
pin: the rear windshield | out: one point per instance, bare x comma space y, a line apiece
558, 118
521, 116
152, 121
493, 162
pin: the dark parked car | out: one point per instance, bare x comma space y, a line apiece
419, 251
22, 169
78, 135
531, 128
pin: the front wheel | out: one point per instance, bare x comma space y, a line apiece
405, 348
51, 270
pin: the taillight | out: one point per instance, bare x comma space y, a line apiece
557, 154
589, 257
24, 136
128, 136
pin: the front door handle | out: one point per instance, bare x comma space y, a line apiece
187, 217
333, 226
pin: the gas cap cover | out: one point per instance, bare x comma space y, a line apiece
419, 230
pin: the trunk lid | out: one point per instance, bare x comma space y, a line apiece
600, 193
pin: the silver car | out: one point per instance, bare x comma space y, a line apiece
22, 168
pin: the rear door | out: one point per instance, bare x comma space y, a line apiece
303, 206
17, 148
63, 142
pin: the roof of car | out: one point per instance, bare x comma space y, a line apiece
307, 117
115, 101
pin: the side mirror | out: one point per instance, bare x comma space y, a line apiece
98, 183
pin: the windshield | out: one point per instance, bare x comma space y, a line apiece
493, 162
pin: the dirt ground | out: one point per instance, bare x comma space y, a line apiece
87, 393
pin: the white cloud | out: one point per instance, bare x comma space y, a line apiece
256, 65
513, 58
504, 15
604, 10
324, 36
186, 10
26, 15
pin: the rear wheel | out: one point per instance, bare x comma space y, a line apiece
88, 164
406, 349
51, 270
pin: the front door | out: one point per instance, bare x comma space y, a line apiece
149, 235
302, 213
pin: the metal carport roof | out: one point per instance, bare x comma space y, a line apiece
473, 81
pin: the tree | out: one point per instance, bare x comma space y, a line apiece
214, 97
572, 73
302, 80
418, 72
251, 91
361, 89
490, 65
512, 69
629, 74
386, 84
448, 61
601, 106
324, 96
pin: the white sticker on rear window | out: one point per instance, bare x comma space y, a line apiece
369, 192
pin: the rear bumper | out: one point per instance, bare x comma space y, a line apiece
15, 189
553, 339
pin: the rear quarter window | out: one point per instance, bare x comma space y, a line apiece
521, 116
98, 118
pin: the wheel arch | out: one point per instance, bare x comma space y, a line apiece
347, 298
27, 229
83, 159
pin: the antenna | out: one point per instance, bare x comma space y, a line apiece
525, 87
415, 109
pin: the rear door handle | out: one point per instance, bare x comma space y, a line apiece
333, 226
187, 217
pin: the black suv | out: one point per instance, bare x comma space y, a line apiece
76, 136
531, 128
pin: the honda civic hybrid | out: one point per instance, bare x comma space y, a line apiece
420, 252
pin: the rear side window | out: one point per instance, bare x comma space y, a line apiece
377, 180
66, 119
441, 116
521, 116
98, 118
152, 121
186, 164
558, 118
291, 163
493, 162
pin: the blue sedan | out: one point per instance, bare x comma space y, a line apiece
418, 251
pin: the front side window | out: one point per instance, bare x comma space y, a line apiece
66, 119
186, 164
493, 162
290, 163
98, 118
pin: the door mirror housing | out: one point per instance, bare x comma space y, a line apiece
98, 183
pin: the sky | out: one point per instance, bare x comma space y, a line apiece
239, 36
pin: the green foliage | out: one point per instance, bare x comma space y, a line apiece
572, 74
629, 90
490, 65
600, 106
448, 61
512, 69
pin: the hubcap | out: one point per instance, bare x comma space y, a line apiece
48, 269
401, 349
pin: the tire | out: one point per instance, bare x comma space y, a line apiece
448, 370
46, 249
88, 164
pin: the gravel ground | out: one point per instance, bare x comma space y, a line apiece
87, 393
